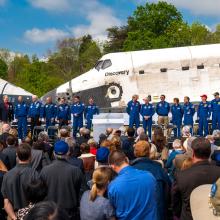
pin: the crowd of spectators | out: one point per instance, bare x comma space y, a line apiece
123, 175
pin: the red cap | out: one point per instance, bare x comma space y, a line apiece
204, 96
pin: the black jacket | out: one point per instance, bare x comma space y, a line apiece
10, 151
128, 147
3, 138
5, 160
14, 183
187, 180
6, 115
64, 183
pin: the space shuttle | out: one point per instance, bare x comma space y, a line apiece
175, 72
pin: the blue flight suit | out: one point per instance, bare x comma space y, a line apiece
177, 115
203, 114
147, 110
63, 114
21, 112
163, 108
35, 112
188, 112
90, 110
78, 109
215, 105
49, 113
133, 109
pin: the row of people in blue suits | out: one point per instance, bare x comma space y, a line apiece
52, 113
180, 113
79, 109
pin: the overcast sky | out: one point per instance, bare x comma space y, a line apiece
33, 26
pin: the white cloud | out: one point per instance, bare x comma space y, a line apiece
36, 35
99, 18
197, 7
96, 28
52, 5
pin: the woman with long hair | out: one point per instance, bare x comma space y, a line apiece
94, 205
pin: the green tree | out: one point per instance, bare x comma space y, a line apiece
16, 66
3, 69
75, 56
85, 43
5, 55
65, 59
89, 53
34, 58
215, 36
72, 57
149, 25
37, 78
178, 34
116, 39
200, 34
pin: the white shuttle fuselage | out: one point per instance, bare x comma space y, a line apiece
175, 72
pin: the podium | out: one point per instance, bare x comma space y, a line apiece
105, 120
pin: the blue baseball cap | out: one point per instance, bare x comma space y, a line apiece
102, 154
61, 148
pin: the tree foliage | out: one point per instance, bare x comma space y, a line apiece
116, 39
200, 34
72, 57
3, 69
158, 25
152, 25
89, 53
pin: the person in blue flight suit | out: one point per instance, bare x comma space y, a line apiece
35, 113
63, 113
133, 110
203, 115
177, 116
21, 112
163, 109
147, 112
90, 110
77, 110
49, 112
188, 113
215, 105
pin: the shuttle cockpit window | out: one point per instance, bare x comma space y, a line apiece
99, 65
106, 64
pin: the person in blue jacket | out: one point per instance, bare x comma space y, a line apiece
49, 112
77, 110
177, 115
203, 115
147, 112
133, 110
162, 110
63, 113
133, 192
21, 112
35, 112
215, 105
90, 110
188, 113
